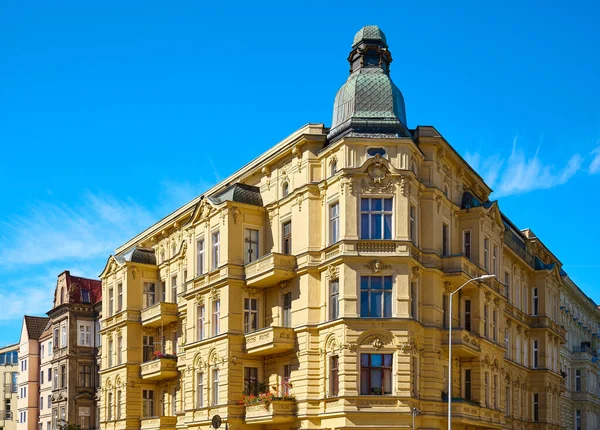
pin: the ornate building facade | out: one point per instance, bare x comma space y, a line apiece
9, 375
310, 290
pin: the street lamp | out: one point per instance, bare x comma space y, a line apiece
414, 413
480, 278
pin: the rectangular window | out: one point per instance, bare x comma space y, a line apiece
375, 374
518, 349
109, 406
199, 257
149, 294
517, 295
494, 325
535, 302
577, 419
445, 240
414, 299
147, 347
63, 340
507, 285
63, 376
536, 412
174, 289
200, 390
468, 315
174, 408
445, 315
334, 223
578, 380
376, 218
216, 320
85, 333
507, 400
119, 395
41, 355
467, 243
286, 245
334, 382
119, 350
110, 353
251, 245
250, 315
55, 380
486, 383
495, 259
85, 376
535, 354
287, 309
215, 387
495, 390
412, 224
147, 403
286, 381
42, 377
111, 302
507, 343
486, 254
376, 296
251, 381
216, 251
201, 315
485, 321
334, 299
119, 297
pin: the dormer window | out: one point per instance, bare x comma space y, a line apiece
285, 189
372, 152
85, 296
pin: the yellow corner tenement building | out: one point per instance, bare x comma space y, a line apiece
310, 290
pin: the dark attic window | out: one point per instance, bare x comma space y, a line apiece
85, 296
376, 151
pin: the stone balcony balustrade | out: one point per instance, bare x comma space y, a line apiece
270, 270
161, 313
270, 340
159, 369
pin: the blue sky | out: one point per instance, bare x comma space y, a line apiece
114, 113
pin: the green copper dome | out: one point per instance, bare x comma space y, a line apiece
369, 104
369, 32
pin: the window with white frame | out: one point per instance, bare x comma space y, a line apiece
119, 349
485, 321
215, 387
147, 403
507, 343
111, 302
412, 224
250, 315
467, 314
495, 259
286, 380
414, 299
287, 309
376, 296
216, 317
200, 322
535, 353
63, 336
535, 302
149, 294
251, 245
251, 386
334, 222
174, 289
84, 333
200, 390
286, 234
376, 218
200, 256
216, 247
334, 299
536, 411
334, 381
119, 297
507, 285
486, 253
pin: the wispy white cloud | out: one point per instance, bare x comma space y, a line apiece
51, 231
521, 173
595, 164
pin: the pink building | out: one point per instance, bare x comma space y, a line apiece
29, 368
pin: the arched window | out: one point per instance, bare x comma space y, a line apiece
285, 189
333, 167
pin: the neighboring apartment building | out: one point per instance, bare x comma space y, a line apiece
310, 290
74, 355
9, 374
45, 400
29, 372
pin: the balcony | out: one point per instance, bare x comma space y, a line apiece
158, 423
584, 353
545, 322
161, 313
464, 343
270, 270
159, 369
277, 411
458, 264
517, 245
270, 340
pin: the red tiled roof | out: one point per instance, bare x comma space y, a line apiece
75, 284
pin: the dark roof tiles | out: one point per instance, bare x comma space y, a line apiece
35, 326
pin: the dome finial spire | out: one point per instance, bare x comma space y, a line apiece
369, 104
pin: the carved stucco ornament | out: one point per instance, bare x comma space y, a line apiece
377, 266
